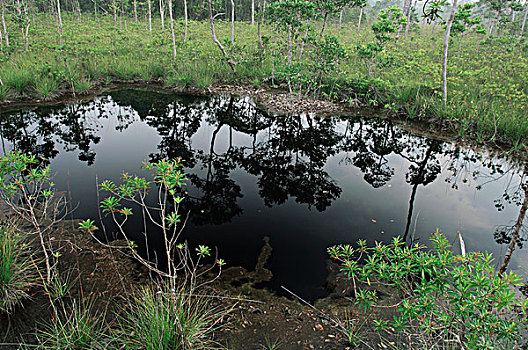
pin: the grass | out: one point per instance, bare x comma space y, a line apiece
161, 320
488, 94
75, 327
16, 268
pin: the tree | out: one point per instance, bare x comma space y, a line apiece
215, 39
171, 20
446, 48
2, 8
186, 18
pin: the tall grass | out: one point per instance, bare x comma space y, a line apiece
164, 320
74, 327
16, 268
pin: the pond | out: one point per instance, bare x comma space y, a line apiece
307, 182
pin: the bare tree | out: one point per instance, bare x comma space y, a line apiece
232, 21
23, 18
186, 19
252, 12
162, 13
446, 49
406, 10
524, 21
6, 36
262, 7
171, 20
215, 39
359, 21
59, 18
149, 6
409, 13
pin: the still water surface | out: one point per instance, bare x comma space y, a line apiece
306, 182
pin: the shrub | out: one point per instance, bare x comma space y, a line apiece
447, 301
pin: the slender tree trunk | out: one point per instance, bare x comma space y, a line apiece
524, 22
60, 21
324, 26
406, 10
114, 5
304, 38
516, 231
186, 20
162, 13
6, 36
215, 40
341, 20
232, 21
434, 27
407, 25
135, 11
446, 49
149, 6
359, 21
262, 10
289, 45
252, 12
1, 41
171, 20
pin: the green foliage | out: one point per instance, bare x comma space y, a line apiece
374, 54
17, 273
446, 297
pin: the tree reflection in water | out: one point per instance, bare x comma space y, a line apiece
287, 155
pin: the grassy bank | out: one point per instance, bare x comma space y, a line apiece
488, 85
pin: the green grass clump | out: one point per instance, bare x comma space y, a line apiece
164, 320
20, 80
46, 86
75, 327
16, 268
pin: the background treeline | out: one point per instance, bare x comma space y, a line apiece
461, 64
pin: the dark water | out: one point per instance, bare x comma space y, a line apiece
307, 182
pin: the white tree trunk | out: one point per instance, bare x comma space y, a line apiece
523, 22
114, 5
359, 21
446, 49
409, 20
232, 21
149, 15
341, 20
406, 9
215, 40
60, 21
171, 20
162, 13
6, 36
186, 20
135, 11
252, 12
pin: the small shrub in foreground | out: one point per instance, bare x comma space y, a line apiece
448, 300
